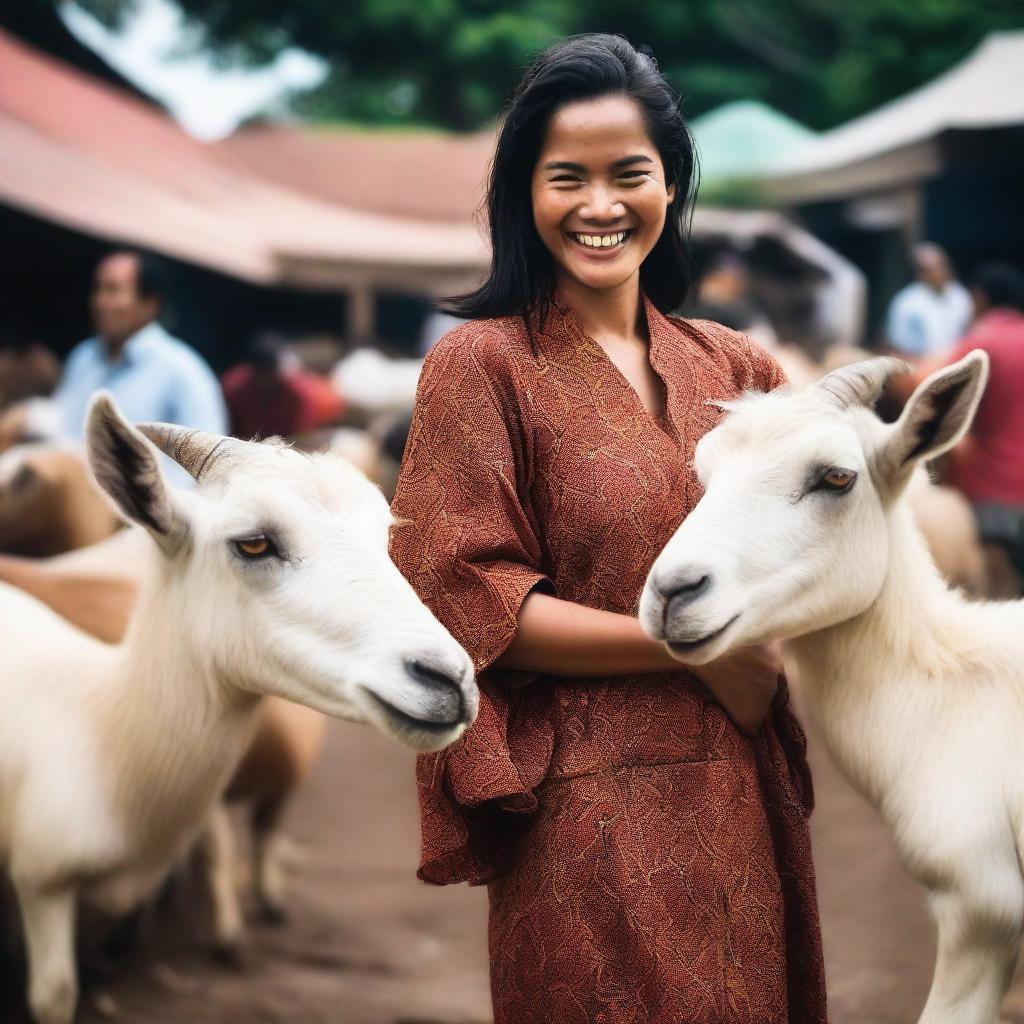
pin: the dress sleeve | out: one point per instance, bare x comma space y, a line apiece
765, 372
753, 367
466, 541
465, 537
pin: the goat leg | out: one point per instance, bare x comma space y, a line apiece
219, 863
978, 947
49, 919
268, 870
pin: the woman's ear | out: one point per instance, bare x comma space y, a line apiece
670, 191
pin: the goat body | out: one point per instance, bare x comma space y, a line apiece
272, 578
95, 589
108, 770
924, 713
48, 503
805, 534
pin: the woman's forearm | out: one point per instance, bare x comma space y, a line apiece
560, 638
566, 639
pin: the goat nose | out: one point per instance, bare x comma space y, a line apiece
684, 590
444, 684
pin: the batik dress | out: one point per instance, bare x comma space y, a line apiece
645, 861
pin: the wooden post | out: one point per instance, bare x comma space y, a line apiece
360, 322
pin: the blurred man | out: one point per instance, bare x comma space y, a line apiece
28, 369
723, 295
988, 465
267, 396
152, 375
930, 315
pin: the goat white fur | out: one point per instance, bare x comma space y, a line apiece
111, 757
95, 588
803, 535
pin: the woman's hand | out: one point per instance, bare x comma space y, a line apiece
560, 638
744, 683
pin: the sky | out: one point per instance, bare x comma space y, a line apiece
208, 101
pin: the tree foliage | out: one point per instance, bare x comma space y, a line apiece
451, 63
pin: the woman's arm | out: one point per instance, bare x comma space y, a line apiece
565, 639
561, 638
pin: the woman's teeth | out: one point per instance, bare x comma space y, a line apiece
599, 241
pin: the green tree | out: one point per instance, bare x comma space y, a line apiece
819, 61
451, 63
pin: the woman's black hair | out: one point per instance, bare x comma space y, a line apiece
579, 68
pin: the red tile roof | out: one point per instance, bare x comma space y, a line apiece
420, 174
79, 152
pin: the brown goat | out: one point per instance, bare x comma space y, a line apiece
48, 502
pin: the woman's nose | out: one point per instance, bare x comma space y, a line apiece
602, 205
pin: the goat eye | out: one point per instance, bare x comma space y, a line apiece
838, 479
254, 547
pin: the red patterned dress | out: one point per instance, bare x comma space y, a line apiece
645, 861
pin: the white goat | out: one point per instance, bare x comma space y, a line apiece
802, 535
96, 588
272, 577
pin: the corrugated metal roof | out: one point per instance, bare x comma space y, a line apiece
79, 152
895, 143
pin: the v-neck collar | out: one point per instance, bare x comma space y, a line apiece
659, 331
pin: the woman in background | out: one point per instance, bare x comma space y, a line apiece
641, 828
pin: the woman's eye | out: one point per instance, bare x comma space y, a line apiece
255, 547
838, 479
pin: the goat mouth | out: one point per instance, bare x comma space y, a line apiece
687, 646
407, 721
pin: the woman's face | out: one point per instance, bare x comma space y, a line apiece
599, 193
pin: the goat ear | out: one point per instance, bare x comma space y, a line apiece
937, 415
127, 467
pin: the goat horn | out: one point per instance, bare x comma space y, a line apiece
861, 383
196, 451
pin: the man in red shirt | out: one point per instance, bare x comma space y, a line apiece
264, 397
988, 466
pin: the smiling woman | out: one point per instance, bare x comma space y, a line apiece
647, 860
600, 219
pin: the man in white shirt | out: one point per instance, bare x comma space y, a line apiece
151, 374
928, 317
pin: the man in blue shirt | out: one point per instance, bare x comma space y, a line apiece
928, 317
152, 375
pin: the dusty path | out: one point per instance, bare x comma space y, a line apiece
367, 944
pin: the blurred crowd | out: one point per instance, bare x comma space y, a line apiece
359, 403
154, 376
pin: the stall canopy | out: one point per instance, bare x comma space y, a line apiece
898, 144
745, 138
81, 153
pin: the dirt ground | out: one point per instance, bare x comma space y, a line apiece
368, 944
